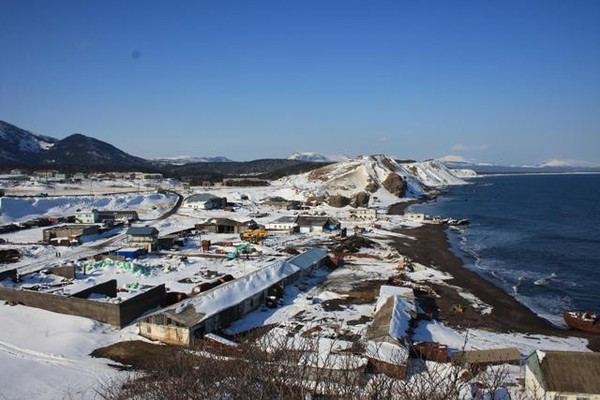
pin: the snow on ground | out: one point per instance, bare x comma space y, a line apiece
45, 355
54, 348
476, 339
148, 206
86, 187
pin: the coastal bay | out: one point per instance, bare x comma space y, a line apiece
429, 245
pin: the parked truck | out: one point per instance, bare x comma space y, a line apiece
253, 235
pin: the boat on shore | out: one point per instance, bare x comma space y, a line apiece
584, 321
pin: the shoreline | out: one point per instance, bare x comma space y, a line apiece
432, 248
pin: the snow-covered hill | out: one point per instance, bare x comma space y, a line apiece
21, 146
367, 180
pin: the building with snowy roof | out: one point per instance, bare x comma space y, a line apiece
204, 201
389, 331
286, 223
316, 224
216, 308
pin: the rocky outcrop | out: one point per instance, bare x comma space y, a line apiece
360, 199
338, 201
372, 186
395, 184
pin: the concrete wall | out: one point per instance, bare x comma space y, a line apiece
165, 333
103, 312
143, 302
119, 314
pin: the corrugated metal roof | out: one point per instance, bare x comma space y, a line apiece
194, 310
142, 231
570, 371
490, 356
308, 258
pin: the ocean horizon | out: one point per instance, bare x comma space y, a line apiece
534, 236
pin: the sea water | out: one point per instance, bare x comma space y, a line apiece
535, 236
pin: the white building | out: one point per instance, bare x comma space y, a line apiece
203, 201
285, 223
563, 375
86, 216
415, 217
362, 214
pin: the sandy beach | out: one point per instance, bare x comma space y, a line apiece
431, 247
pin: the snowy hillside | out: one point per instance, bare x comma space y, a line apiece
433, 174
19, 145
19, 209
373, 179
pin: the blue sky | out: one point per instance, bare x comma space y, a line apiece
503, 81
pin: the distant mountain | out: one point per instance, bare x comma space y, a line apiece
264, 169
557, 163
316, 157
550, 166
81, 150
183, 160
20, 147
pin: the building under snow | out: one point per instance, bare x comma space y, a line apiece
204, 201
216, 308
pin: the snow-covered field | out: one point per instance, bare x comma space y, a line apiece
46, 355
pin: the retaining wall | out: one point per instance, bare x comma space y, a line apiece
116, 314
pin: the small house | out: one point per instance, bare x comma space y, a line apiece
362, 214
285, 223
225, 225
204, 201
316, 224
145, 237
563, 375
68, 234
86, 216
118, 215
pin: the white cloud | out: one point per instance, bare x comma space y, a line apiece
474, 147
383, 138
